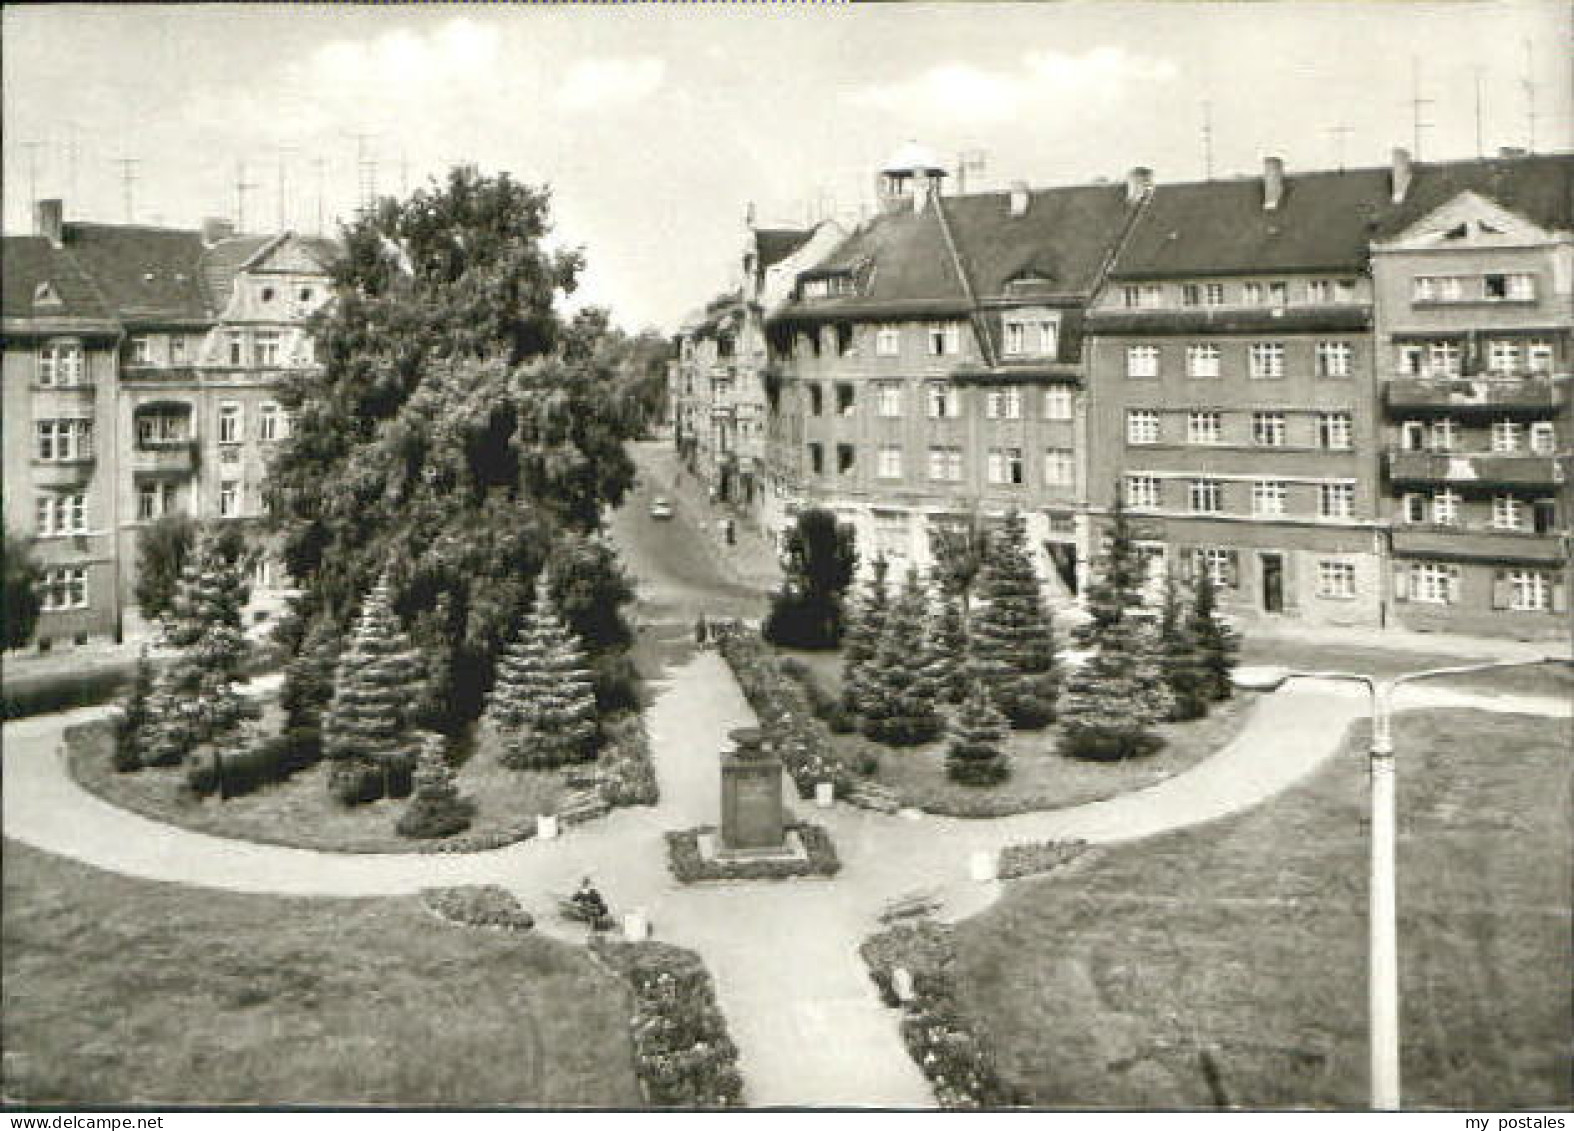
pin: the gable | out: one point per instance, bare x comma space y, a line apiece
287, 256
1469, 220
45, 295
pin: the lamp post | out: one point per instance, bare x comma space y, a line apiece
1382, 915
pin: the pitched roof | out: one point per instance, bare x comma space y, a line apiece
1325, 221
145, 274
775, 244
224, 260
31, 261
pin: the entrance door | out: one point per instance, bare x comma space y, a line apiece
1272, 583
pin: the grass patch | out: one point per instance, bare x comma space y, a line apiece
1548, 679
1040, 777
1226, 963
300, 813
125, 991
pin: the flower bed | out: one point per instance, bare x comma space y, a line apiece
950, 1049
625, 773
682, 1053
1018, 860
481, 905
802, 741
690, 866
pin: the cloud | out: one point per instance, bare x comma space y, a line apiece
403, 60
592, 84
960, 90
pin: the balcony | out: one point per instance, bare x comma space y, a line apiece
1538, 395
177, 457
62, 473
1474, 469
1466, 542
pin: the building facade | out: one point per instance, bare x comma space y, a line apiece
140, 365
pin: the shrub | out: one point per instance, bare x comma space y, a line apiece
682, 1052
479, 905
354, 782
436, 810
1018, 860
63, 691
615, 682
627, 774
976, 756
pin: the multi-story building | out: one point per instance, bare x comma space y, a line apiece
929, 368
1474, 274
139, 373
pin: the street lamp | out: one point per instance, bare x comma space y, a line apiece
1382, 915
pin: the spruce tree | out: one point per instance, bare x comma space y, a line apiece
864, 629
1182, 663
366, 730
1111, 702
950, 646
543, 703
194, 697
134, 716
307, 691
976, 755
1012, 635
1218, 645
435, 809
898, 697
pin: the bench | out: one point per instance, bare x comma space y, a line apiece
911, 905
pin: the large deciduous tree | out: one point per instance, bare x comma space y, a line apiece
21, 604
819, 560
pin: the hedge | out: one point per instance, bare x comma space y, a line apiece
1018, 860
682, 1053
27, 695
689, 866
478, 905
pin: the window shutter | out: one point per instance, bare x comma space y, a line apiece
1560, 597
1502, 589
1401, 583
1232, 572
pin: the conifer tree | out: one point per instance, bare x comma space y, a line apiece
134, 716
366, 729
194, 697
1111, 702
949, 636
1012, 635
543, 704
864, 629
898, 697
1218, 645
976, 755
1181, 660
307, 691
435, 809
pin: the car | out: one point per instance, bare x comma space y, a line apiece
660, 508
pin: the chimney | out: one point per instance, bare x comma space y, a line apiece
1272, 182
1139, 182
49, 221
1018, 198
214, 229
1402, 174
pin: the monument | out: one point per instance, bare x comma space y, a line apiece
753, 819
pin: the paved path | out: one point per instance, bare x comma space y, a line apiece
809, 1026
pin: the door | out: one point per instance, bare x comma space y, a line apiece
1272, 583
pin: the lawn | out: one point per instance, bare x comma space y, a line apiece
1226, 963
1549, 679
299, 812
125, 991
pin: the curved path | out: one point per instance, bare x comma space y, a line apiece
810, 1028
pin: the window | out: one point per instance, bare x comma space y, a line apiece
890, 462
1005, 466
1412, 507
1445, 508
1268, 429
1004, 404
139, 350
1142, 426
1202, 361
1508, 512
1031, 336
943, 399
262, 572
1433, 583
64, 589
1335, 580
60, 363
1278, 294
888, 398
1507, 436
1333, 359
888, 341
1204, 426
945, 464
235, 347
1048, 337
1060, 469
845, 400
1529, 590
1213, 294
1255, 294
1410, 360
1016, 338
1512, 288
816, 400
64, 441
1058, 402
177, 349
265, 348
1142, 491
1191, 295
155, 429
1218, 564
1268, 497
1267, 294
846, 457
1131, 297
1334, 431
1437, 288
1142, 361
1442, 359
816, 459
1330, 290
945, 338
229, 498
1502, 355
1266, 360
1544, 438
268, 421
1336, 500
1444, 435
1206, 496
155, 500
1538, 354
229, 423
62, 514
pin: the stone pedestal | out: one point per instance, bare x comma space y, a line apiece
753, 819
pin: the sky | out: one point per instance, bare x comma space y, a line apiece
657, 125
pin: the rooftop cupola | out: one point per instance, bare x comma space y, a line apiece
911, 177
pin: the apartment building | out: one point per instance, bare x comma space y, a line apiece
139, 373
1475, 308
928, 370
